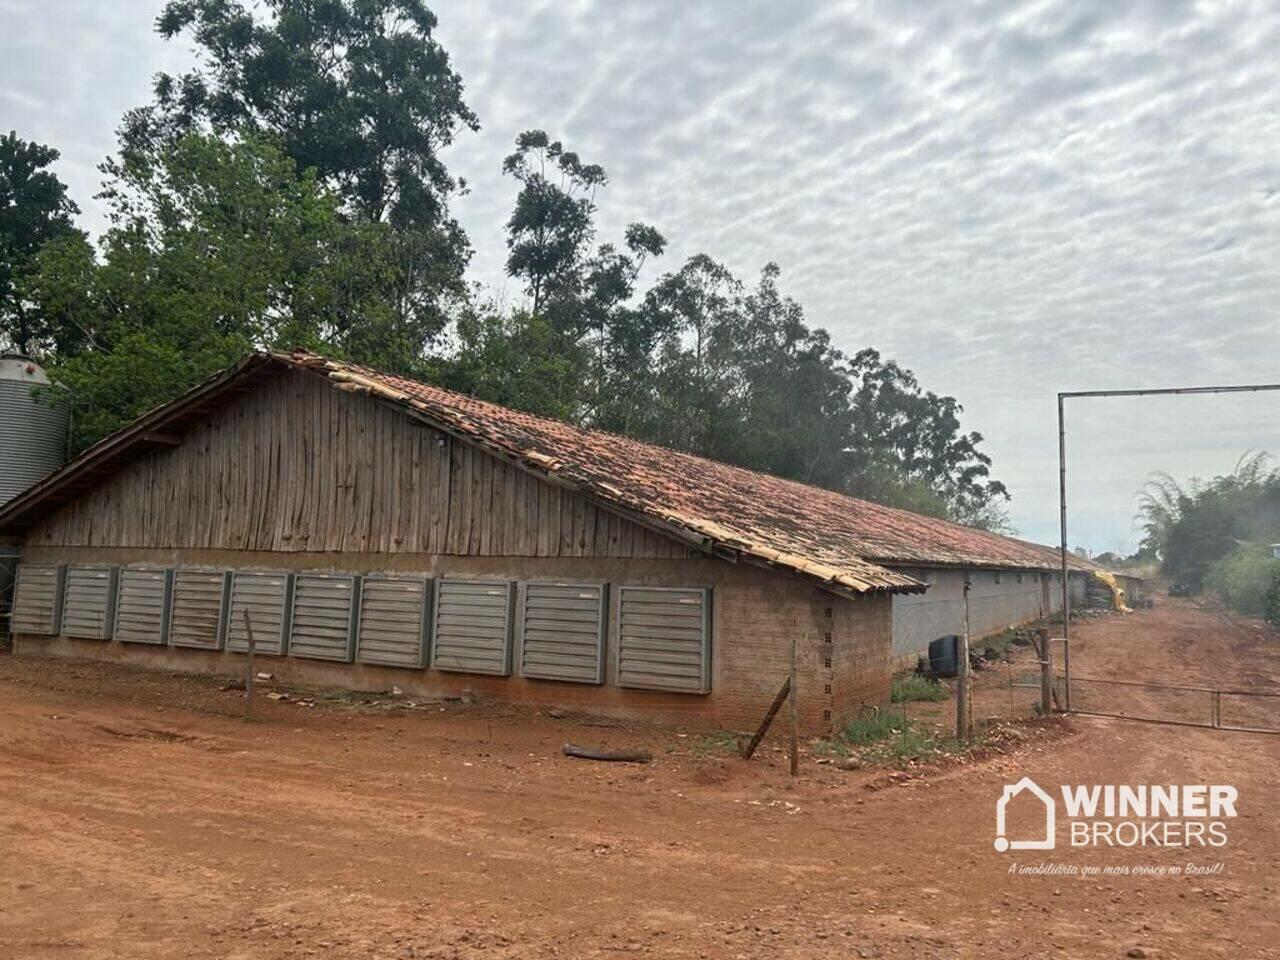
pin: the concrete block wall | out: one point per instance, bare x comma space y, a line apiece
842, 644
997, 601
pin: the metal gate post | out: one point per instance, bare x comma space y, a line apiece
1066, 581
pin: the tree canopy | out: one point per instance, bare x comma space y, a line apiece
216, 248
702, 362
34, 209
290, 190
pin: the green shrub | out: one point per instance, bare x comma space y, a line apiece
1273, 597
1244, 578
911, 686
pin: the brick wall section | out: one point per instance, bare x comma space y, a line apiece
755, 615
859, 658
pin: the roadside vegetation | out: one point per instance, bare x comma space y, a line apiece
1215, 536
890, 737
908, 687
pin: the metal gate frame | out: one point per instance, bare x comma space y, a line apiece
1064, 396
1215, 705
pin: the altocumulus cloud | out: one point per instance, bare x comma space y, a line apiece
1010, 197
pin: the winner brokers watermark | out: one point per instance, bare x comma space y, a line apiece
1124, 815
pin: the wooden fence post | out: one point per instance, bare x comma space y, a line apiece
1045, 650
795, 716
962, 673
761, 730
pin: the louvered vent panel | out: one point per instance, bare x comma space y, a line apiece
563, 632
323, 620
88, 602
664, 639
266, 598
37, 599
394, 616
473, 627
142, 606
196, 612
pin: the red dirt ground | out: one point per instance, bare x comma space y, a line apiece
141, 818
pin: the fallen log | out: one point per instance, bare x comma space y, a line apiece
615, 756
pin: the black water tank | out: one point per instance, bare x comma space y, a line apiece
943, 656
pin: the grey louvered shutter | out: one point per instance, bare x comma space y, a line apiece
322, 626
37, 599
664, 639
394, 621
562, 630
88, 603
198, 609
142, 605
266, 598
473, 627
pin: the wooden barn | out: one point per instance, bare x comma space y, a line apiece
377, 532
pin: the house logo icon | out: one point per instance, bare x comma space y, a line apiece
1026, 784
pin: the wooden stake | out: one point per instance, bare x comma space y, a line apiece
248, 665
774, 707
795, 716
962, 673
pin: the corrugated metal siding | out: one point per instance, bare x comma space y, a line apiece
198, 607
473, 627
266, 598
33, 435
322, 626
142, 606
562, 632
37, 599
88, 604
664, 639
394, 621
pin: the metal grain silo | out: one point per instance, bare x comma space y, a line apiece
33, 432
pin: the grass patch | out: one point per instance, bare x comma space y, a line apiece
888, 737
716, 743
911, 686
872, 727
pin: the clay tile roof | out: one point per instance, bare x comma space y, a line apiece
843, 541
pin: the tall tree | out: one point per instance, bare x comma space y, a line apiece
34, 209
583, 293
359, 91
551, 228
899, 429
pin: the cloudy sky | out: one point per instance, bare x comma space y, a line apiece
1011, 198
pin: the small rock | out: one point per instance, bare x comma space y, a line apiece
1136, 952
849, 763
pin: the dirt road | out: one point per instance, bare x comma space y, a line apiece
139, 818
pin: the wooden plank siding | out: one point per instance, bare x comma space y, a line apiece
297, 466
